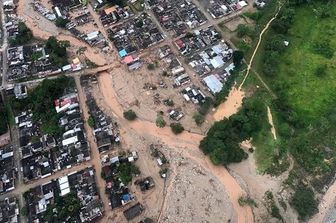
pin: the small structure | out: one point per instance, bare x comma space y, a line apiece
20, 91
133, 211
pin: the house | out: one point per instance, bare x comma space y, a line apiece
9, 210
213, 83
133, 211
20, 91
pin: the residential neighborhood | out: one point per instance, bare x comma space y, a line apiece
167, 111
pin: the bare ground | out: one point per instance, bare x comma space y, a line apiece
186, 143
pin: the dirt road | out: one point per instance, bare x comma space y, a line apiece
95, 156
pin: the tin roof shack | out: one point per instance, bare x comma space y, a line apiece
9, 210
213, 58
37, 161
197, 40
44, 11
194, 94
20, 91
7, 171
38, 199
74, 147
133, 211
177, 16
9, 6
36, 156
219, 8
113, 14
67, 5
134, 35
83, 184
145, 183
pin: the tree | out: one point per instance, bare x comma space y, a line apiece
222, 142
61, 22
151, 66
198, 118
67, 206
244, 30
238, 57
126, 172
204, 108
57, 50
130, 115
177, 128
304, 202
91, 121
160, 122
24, 35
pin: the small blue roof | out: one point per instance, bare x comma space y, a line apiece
122, 53
126, 197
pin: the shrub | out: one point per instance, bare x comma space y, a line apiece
321, 70
91, 121
151, 66
323, 48
244, 30
238, 57
198, 118
204, 108
130, 115
177, 128
160, 122
61, 22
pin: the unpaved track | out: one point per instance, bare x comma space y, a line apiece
270, 121
189, 142
249, 66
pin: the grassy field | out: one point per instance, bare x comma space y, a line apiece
310, 95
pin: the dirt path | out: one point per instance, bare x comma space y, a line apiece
188, 141
249, 66
270, 120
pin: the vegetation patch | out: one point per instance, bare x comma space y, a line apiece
130, 115
222, 142
176, 128
24, 35
41, 101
